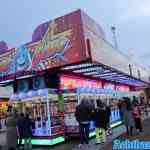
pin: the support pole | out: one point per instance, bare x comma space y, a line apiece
78, 96
48, 113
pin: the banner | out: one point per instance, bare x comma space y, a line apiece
54, 44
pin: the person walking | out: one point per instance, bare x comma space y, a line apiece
128, 117
20, 126
100, 122
83, 116
11, 131
120, 110
27, 132
108, 114
137, 117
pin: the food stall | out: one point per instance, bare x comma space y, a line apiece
52, 111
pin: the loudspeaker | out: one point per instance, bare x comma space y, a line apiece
15, 87
22, 85
30, 83
38, 83
52, 79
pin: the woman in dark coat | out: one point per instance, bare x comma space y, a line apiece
100, 122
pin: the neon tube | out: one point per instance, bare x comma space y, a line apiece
116, 124
92, 134
46, 141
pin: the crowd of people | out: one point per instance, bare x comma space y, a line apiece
18, 126
130, 114
100, 115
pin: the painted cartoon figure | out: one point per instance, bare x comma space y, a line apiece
22, 60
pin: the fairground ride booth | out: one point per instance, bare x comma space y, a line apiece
45, 112
75, 88
67, 60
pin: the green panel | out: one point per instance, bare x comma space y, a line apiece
61, 102
92, 134
116, 124
46, 141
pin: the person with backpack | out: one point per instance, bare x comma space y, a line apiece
100, 122
83, 116
108, 114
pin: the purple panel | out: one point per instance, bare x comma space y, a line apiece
39, 32
3, 47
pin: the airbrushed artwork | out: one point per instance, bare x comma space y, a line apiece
53, 44
52, 48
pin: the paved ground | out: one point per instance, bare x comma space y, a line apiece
117, 133
72, 145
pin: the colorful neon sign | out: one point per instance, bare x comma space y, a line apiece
72, 82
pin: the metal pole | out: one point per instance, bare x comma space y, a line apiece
78, 96
48, 112
113, 29
139, 74
130, 69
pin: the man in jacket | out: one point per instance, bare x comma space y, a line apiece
108, 115
100, 122
83, 116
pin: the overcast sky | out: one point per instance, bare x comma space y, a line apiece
18, 19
